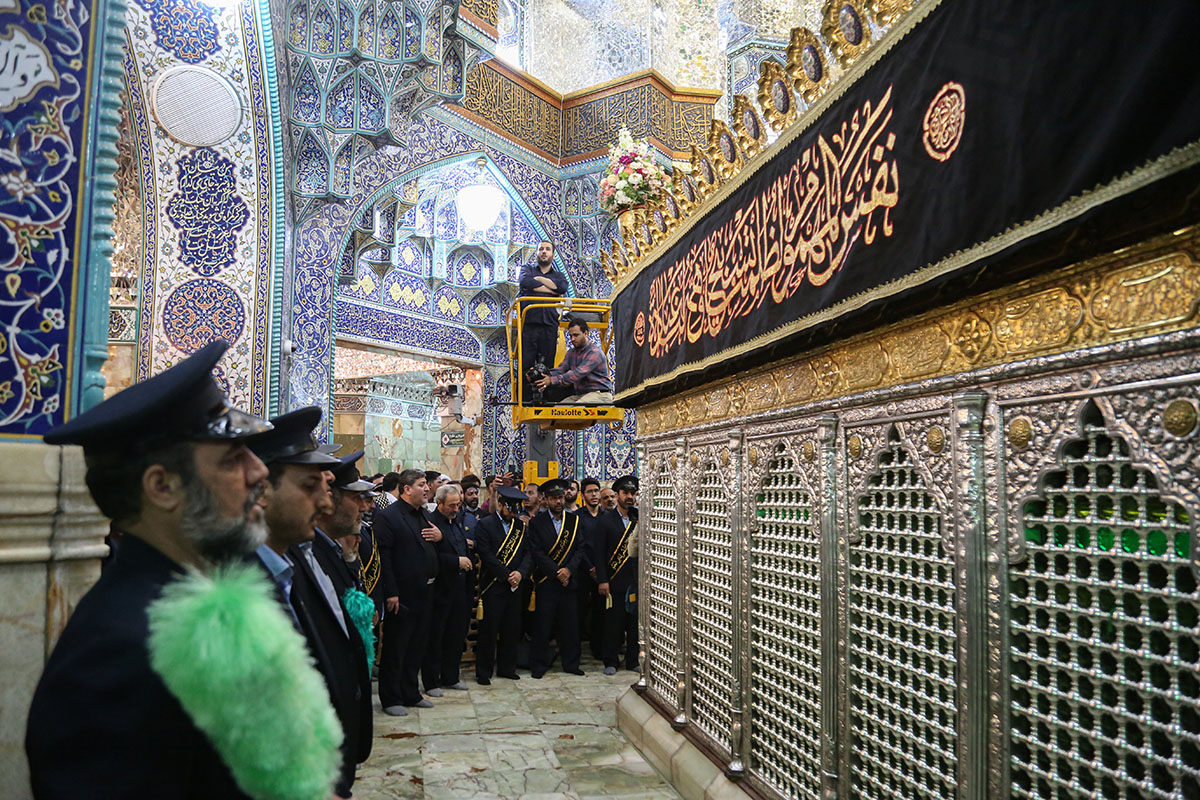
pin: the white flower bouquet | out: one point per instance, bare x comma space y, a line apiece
632, 178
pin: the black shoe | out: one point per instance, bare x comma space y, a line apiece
512, 676
576, 671
537, 676
482, 681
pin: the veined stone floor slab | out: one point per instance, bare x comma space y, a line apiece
547, 739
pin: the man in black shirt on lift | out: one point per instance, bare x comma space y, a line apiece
539, 336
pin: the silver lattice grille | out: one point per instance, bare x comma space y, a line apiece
712, 608
902, 640
1104, 635
785, 634
662, 565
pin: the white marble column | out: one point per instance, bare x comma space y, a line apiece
51, 542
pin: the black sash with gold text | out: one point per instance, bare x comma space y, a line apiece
508, 550
620, 555
983, 142
562, 545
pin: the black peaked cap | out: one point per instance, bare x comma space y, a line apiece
179, 404
292, 440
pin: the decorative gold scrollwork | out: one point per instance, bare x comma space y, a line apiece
846, 30
776, 96
749, 127
885, 12
806, 64
722, 151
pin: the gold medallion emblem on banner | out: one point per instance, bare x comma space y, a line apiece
944, 120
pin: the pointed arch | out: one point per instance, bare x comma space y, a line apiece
323, 30
306, 97
312, 167
339, 104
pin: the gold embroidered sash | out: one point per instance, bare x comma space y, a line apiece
506, 553
621, 554
562, 545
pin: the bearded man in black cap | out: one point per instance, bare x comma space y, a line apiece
504, 551
616, 574
296, 498
558, 550
151, 690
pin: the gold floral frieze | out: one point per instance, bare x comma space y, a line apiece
1152, 288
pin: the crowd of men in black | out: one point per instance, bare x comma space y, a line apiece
403, 561
529, 565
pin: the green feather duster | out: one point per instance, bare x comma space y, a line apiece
361, 610
226, 649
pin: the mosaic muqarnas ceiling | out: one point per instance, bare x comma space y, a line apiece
707, 44
421, 260
359, 71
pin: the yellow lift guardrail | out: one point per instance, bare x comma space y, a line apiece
597, 312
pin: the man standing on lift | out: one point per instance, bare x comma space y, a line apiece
539, 336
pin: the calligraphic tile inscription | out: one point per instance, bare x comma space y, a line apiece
43, 68
484, 10
207, 211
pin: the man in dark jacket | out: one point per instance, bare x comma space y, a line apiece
503, 548
298, 497
451, 620
408, 568
558, 549
167, 463
539, 335
616, 574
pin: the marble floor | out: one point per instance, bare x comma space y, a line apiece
529, 739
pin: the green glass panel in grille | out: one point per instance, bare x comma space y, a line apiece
712, 608
785, 634
661, 553
902, 676
1105, 687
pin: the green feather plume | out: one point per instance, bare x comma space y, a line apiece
226, 649
361, 610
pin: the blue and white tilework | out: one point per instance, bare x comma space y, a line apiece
41, 136
209, 220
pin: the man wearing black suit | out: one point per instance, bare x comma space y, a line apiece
616, 574
558, 549
591, 603
451, 602
167, 463
501, 542
296, 496
408, 567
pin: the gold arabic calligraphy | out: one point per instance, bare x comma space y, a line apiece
800, 229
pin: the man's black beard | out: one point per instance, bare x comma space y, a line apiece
219, 538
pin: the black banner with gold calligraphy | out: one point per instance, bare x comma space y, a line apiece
987, 128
